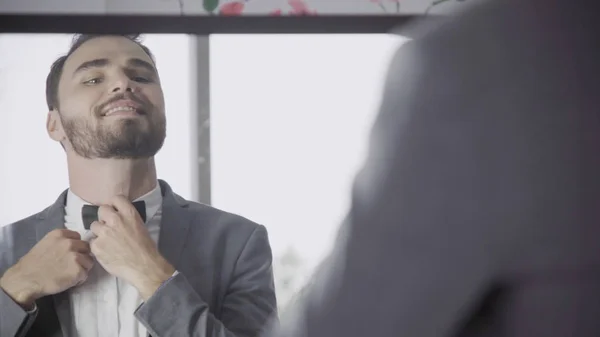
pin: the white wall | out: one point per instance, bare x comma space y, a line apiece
33, 169
289, 126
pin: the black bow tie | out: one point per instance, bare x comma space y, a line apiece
89, 213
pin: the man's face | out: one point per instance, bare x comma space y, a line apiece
110, 101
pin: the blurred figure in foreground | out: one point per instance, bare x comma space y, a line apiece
477, 210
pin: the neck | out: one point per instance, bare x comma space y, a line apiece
98, 180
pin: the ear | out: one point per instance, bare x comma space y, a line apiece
54, 126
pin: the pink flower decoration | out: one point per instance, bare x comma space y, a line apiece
232, 8
299, 7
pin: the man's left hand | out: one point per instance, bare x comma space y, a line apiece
125, 249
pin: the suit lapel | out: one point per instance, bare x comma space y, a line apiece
174, 226
51, 219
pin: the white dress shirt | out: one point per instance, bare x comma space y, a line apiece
104, 305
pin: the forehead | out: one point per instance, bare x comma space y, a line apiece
116, 49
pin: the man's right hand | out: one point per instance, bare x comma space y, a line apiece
58, 262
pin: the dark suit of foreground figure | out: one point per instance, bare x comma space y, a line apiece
477, 212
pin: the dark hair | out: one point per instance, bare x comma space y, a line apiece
57, 67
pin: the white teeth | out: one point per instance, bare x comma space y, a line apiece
119, 108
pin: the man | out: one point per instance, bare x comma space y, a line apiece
161, 265
476, 213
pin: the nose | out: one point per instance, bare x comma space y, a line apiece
120, 89
122, 83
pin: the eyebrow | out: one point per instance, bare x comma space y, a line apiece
99, 63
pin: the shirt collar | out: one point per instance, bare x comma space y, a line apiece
74, 204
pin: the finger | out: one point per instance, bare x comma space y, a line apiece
121, 204
94, 247
88, 236
85, 261
82, 278
108, 214
80, 246
124, 207
82, 275
65, 233
97, 228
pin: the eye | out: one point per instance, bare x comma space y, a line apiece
93, 81
142, 79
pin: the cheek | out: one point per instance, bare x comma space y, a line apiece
155, 95
80, 104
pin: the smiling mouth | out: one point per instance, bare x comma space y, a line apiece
123, 111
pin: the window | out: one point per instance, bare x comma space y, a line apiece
290, 116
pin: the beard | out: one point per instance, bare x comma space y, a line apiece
136, 138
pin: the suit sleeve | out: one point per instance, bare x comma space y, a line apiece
14, 320
414, 258
177, 310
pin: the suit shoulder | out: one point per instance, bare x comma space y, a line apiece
16, 239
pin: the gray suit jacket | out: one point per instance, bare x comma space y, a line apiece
224, 287
477, 212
